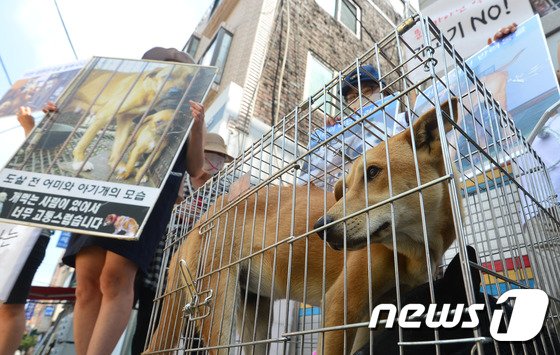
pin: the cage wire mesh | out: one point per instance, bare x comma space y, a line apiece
247, 270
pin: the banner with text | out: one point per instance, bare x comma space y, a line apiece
467, 24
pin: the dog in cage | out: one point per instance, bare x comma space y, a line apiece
140, 90
146, 148
250, 256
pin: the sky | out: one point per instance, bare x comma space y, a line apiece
32, 37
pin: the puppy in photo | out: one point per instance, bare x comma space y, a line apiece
122, 223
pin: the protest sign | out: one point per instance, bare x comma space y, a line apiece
467, 24
16, 242
38, 87
98, 165
33, 90
518, 72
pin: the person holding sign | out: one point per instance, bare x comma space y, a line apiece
106, 267
12, 312
215, 157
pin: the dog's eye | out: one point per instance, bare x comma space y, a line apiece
372, 171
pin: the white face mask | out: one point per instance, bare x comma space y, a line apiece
371, 93
213, 162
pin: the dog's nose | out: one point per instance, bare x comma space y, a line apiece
320, 223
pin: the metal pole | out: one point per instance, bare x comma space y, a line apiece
65, 29
5, 71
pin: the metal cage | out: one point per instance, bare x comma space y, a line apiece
250, 256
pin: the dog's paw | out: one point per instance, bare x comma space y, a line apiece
76, 165
120, 169
122, 173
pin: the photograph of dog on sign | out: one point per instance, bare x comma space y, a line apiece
119, 121
37, 88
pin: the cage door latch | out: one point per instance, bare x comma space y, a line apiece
195, 309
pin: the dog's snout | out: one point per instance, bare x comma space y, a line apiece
320, 223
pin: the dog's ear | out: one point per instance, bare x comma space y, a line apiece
426, 127
338, 189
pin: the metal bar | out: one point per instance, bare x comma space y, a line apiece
455, 208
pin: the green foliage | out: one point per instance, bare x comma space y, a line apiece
28, 341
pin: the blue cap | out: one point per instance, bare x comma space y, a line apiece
368, 74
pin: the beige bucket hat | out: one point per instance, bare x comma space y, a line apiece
215, 143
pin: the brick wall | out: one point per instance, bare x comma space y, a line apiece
244, 32
312, 29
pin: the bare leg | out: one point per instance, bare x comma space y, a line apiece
12, 327
117, 287
89, 263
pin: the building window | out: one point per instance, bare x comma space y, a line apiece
345, 11
317, 74
192, 46
217, 52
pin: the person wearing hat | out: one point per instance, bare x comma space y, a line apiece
370, 83
106, 267
215, 157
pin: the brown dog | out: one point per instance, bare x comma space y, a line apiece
145, 142
124, 96
247, 256
122, 223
